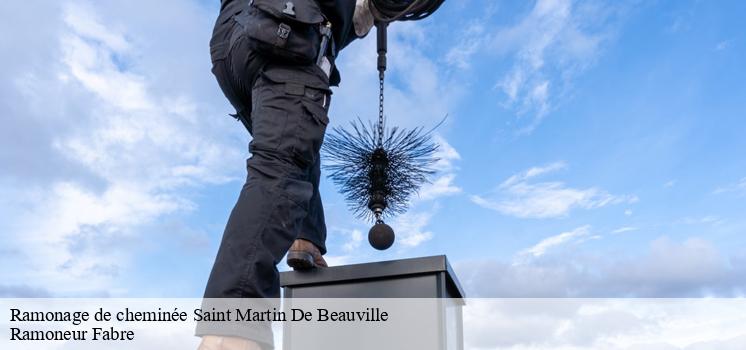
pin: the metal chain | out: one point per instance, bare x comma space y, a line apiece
380, 110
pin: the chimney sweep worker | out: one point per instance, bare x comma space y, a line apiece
274, 61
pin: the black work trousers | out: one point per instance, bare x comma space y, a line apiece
285, 108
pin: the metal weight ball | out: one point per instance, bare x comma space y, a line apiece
381, 236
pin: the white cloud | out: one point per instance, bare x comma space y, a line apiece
534, 172
519, 197
548, 47
84, 20
722, 45
551, 38
704, 220
596, 323
443, 184
667, 268
337, 260
625, 229
737, 188
446, 155
563, 238
473, 39
411, 228
344, 246
355, 239
138, 143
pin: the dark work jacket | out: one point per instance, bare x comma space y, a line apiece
338, 12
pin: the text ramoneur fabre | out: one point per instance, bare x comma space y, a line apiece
110, 333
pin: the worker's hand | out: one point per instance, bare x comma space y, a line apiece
362, 18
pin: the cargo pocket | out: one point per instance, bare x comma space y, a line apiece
286, 31
310, 132
270, 116
304, 97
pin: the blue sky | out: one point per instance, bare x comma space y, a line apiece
592, 148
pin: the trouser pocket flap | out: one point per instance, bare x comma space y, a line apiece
317, 111
297, 76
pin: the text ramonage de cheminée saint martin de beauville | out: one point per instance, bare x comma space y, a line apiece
371, 314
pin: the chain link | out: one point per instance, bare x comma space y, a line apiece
380, 110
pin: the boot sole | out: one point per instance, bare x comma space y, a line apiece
300, 260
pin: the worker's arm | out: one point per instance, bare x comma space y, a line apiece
362, 18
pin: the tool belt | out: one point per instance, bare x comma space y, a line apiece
284, 30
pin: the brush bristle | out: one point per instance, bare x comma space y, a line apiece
348, 157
